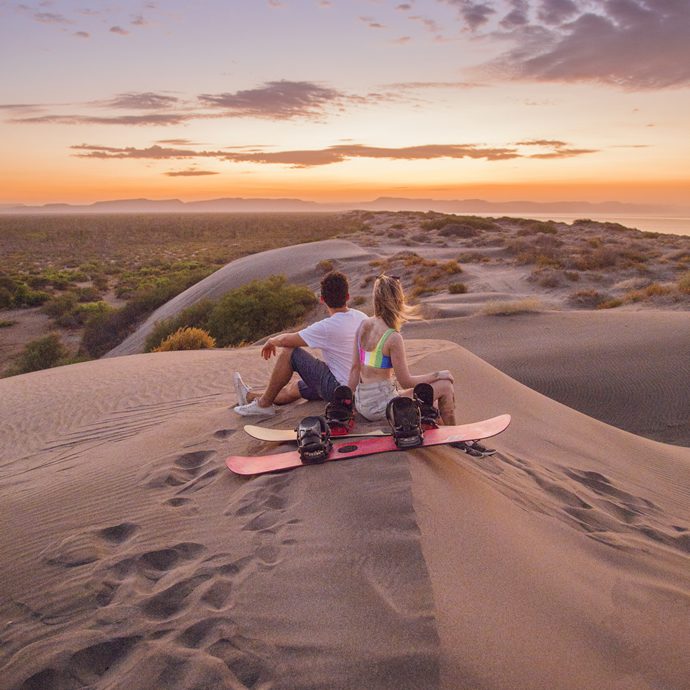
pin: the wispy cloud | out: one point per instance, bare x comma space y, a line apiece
147, 100
50, 18
152, 119
118, 30
190, 173
276, 100
372, 23
307, 158
421, 85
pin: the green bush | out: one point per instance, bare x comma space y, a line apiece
42, 353
258, 309
24, 296
187, 339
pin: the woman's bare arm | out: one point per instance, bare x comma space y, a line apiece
356, 367
402, 370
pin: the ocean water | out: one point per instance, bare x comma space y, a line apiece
666, 225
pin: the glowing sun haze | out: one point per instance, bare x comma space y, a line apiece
345, 99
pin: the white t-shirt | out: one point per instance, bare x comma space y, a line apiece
335, 337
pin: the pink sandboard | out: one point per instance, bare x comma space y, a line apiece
352, 448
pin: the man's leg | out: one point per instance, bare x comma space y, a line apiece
279, 389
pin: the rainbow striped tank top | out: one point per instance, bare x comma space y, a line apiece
375, 358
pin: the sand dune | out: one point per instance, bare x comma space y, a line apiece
297, 263
133, 559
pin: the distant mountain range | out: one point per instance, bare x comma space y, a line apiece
229, 205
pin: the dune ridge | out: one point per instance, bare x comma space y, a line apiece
133, 558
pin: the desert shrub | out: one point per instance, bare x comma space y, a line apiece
24, 296
457, 288
367, 281
684, 283
325, 265
42, 353
656, 290
451, 267
60, 305
187, 339
587, 299
258, 309
610, 303
649, 292
100, 282
359, 301
470, 222
471, 257
458, 230
6, 298
549, 280
6, 323
110, 327
87, 294
573, 276
195, 316
523, 306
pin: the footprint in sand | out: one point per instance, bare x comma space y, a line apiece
88, 547
85, 667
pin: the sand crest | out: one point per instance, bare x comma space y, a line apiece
133, 559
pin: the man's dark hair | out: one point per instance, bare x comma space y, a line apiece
334, 289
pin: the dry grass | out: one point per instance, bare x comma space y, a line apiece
529, 305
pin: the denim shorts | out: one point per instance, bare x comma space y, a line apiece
371, 399
318, 382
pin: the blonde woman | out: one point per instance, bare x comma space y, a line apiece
379, 352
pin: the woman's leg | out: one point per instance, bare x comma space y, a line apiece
444, 393
444, 396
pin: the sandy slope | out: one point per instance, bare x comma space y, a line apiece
297, 263
133, 559
631, 370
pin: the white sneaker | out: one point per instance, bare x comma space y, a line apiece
241, 388
253, 409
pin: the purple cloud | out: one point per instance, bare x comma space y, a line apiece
475, 14
50, 18
276, 100
333, 154
140, 101
631, 44
118, 30
556, 11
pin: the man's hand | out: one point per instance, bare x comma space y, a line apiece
269, 349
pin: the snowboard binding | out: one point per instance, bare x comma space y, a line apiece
406, 422
340, 412
423, 395
313, 440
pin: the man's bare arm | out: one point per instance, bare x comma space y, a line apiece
282, 340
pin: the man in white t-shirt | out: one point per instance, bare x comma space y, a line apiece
334, 336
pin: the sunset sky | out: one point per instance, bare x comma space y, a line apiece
345, 100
